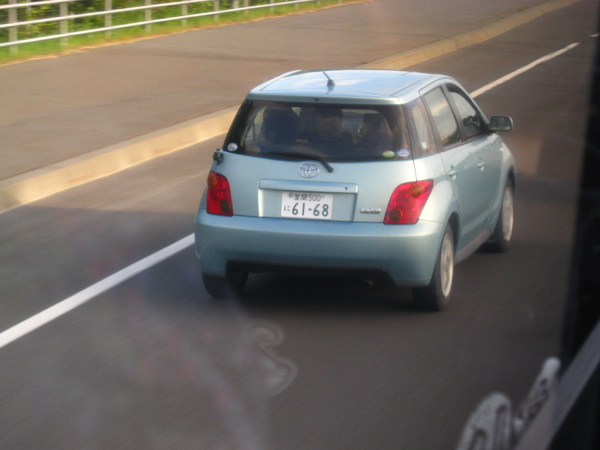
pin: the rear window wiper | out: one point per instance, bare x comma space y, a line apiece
308, 156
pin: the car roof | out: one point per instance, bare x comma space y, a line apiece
355, 86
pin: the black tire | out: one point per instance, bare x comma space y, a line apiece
500, 239
229, 286
436, 295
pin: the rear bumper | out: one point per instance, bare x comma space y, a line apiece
407, 253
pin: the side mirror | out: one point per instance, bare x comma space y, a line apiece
501, 123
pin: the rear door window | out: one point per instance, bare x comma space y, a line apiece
443, 118
424, 142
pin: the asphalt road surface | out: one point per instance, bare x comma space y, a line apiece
299, 362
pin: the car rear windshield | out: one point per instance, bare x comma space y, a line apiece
332, 132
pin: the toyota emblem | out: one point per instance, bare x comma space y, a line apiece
308, 170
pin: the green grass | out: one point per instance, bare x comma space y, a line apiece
58, 46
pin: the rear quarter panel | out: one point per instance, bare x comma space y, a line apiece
442, 202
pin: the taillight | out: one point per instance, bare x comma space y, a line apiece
218, 195
407, 202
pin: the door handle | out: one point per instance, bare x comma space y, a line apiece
481, 165
452, 173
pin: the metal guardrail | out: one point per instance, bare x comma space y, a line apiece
64, 17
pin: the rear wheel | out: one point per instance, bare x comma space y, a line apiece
500, 239
228, 286
436, 295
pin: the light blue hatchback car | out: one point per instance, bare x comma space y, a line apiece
370, 172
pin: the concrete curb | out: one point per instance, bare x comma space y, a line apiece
40, 183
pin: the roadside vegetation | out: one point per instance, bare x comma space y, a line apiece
94, 39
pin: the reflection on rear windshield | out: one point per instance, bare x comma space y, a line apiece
330, 131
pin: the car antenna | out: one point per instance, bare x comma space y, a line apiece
330, 82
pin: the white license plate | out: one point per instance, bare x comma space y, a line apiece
306, 205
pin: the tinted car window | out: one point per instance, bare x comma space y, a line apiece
471, 118
424, 142
442, 115
335, 132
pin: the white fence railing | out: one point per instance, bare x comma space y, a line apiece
65, 17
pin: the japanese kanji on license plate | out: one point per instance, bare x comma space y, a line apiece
306, 205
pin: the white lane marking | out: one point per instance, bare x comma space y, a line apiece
528, 161
523, 69
63, 307
42, 318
